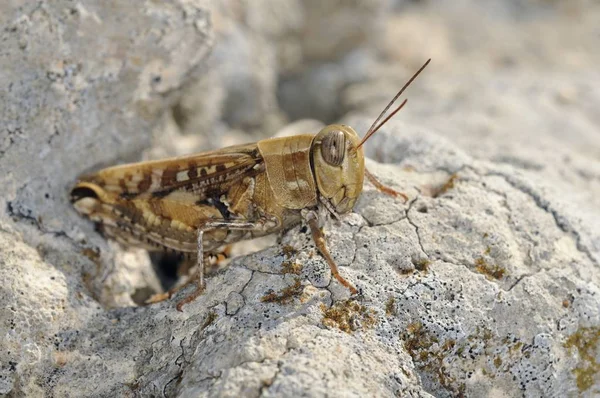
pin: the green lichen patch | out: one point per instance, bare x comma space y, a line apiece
291, 267
285, 295
348, 316
390, 306
481, 351
289, 251
497, 361
585, 340
422, 264
491, 271
211, 317
430, 354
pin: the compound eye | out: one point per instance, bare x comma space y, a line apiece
333, 147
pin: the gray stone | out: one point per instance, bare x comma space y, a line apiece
476, 289
485, 283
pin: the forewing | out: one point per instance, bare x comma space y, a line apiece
206, 174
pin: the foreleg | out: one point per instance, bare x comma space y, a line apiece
384, 188
319, 239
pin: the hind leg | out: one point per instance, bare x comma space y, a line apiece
199, 276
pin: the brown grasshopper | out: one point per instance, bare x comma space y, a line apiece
198, 203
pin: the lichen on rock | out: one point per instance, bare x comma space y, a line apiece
485, 283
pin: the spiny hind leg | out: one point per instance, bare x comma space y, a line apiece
221, 224
384, 188
198, 276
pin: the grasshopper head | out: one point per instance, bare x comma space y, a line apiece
338, 160
339, 166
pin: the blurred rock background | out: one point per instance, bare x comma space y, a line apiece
513, 82
89, 84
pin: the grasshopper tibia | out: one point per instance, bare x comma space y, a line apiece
198, 276
319, 239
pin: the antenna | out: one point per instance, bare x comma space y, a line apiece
374, 127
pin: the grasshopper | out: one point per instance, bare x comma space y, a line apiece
198, 203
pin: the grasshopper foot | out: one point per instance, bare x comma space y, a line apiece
158, 297
190, 297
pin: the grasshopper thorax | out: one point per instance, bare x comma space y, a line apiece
338, 165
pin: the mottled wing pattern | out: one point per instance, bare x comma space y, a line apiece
205, 174
163, 203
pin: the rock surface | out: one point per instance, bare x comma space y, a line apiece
485, 283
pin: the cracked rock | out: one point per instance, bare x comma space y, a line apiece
486, 282
475, 290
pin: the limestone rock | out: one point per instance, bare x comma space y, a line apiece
485, 283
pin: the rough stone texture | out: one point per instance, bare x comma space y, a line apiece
81, 85
297, 57
486, 283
